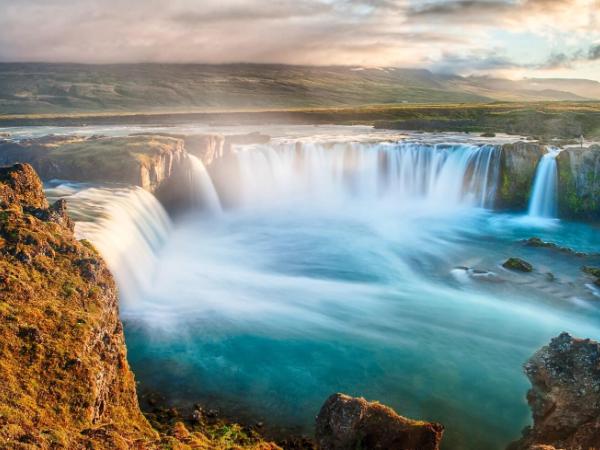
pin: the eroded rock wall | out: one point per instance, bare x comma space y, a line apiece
142, 160
579, 183
518, 164
64, 377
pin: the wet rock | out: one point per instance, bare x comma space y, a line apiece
539, 243
348, 423
593, 272
565, 396
518, 164
518, 265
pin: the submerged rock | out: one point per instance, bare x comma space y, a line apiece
517, 264
348, 423
565, 396
539, 243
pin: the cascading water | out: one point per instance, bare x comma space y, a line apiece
348, 287
128, 226
202, 188
436, 175
544, 196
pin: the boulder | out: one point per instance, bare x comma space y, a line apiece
348, 423
565, 396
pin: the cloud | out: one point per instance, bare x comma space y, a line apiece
459, 35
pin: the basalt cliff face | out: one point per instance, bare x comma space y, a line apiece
64, 378
579, 183
565, 396
142, 160
518, 165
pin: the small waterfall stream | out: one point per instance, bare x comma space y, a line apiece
204, 193
544, 195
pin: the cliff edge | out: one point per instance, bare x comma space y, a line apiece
64, 378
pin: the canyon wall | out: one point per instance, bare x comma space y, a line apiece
64, 373
142, 160
579, 183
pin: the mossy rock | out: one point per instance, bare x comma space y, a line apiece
579, 183
518, 164
517, 265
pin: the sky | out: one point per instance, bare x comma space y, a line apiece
508, 38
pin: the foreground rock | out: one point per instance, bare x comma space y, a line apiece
565, 396
64, 378
347, 423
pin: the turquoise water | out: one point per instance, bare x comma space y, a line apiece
266, 314
366, 268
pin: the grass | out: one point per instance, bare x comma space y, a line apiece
540, 119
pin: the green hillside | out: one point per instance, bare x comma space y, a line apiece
38, 88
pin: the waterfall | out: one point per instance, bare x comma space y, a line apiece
544, 198
442, 174
204, 193
128, 227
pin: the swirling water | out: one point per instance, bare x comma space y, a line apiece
373, 270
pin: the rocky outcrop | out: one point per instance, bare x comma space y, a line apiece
565, 396
64, 378
64, 373
347, 423
142, 160
518, 164
579, 183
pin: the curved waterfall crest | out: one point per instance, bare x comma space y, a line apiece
129, 227
444, 174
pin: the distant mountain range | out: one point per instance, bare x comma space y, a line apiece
38, 88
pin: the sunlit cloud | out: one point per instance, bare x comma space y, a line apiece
463, 36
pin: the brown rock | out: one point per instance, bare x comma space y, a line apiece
565, 396
348, 423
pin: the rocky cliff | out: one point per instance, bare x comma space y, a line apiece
518, 165
64, 378
142, 160
579, 183
347, 423
565, 396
